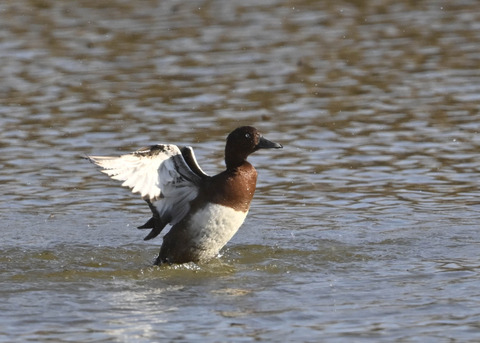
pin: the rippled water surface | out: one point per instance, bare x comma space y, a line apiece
363, 228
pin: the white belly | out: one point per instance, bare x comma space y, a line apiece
212, 227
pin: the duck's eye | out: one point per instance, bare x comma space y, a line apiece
247, 135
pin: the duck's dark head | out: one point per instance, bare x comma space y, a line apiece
243, 141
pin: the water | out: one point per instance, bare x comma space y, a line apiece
363, 228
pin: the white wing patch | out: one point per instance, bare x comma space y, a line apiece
160, 174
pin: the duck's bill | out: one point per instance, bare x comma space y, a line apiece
266, 144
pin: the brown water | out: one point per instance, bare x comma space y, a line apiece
364, 227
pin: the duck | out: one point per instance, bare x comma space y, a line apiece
204, 212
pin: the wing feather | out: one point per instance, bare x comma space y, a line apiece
160, 174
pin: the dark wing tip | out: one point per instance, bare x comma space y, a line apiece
154, 233
88, 158
155, 224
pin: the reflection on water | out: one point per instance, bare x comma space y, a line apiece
364, 225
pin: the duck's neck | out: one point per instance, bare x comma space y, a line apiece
234, 159
234, 164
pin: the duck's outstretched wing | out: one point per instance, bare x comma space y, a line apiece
165, 179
